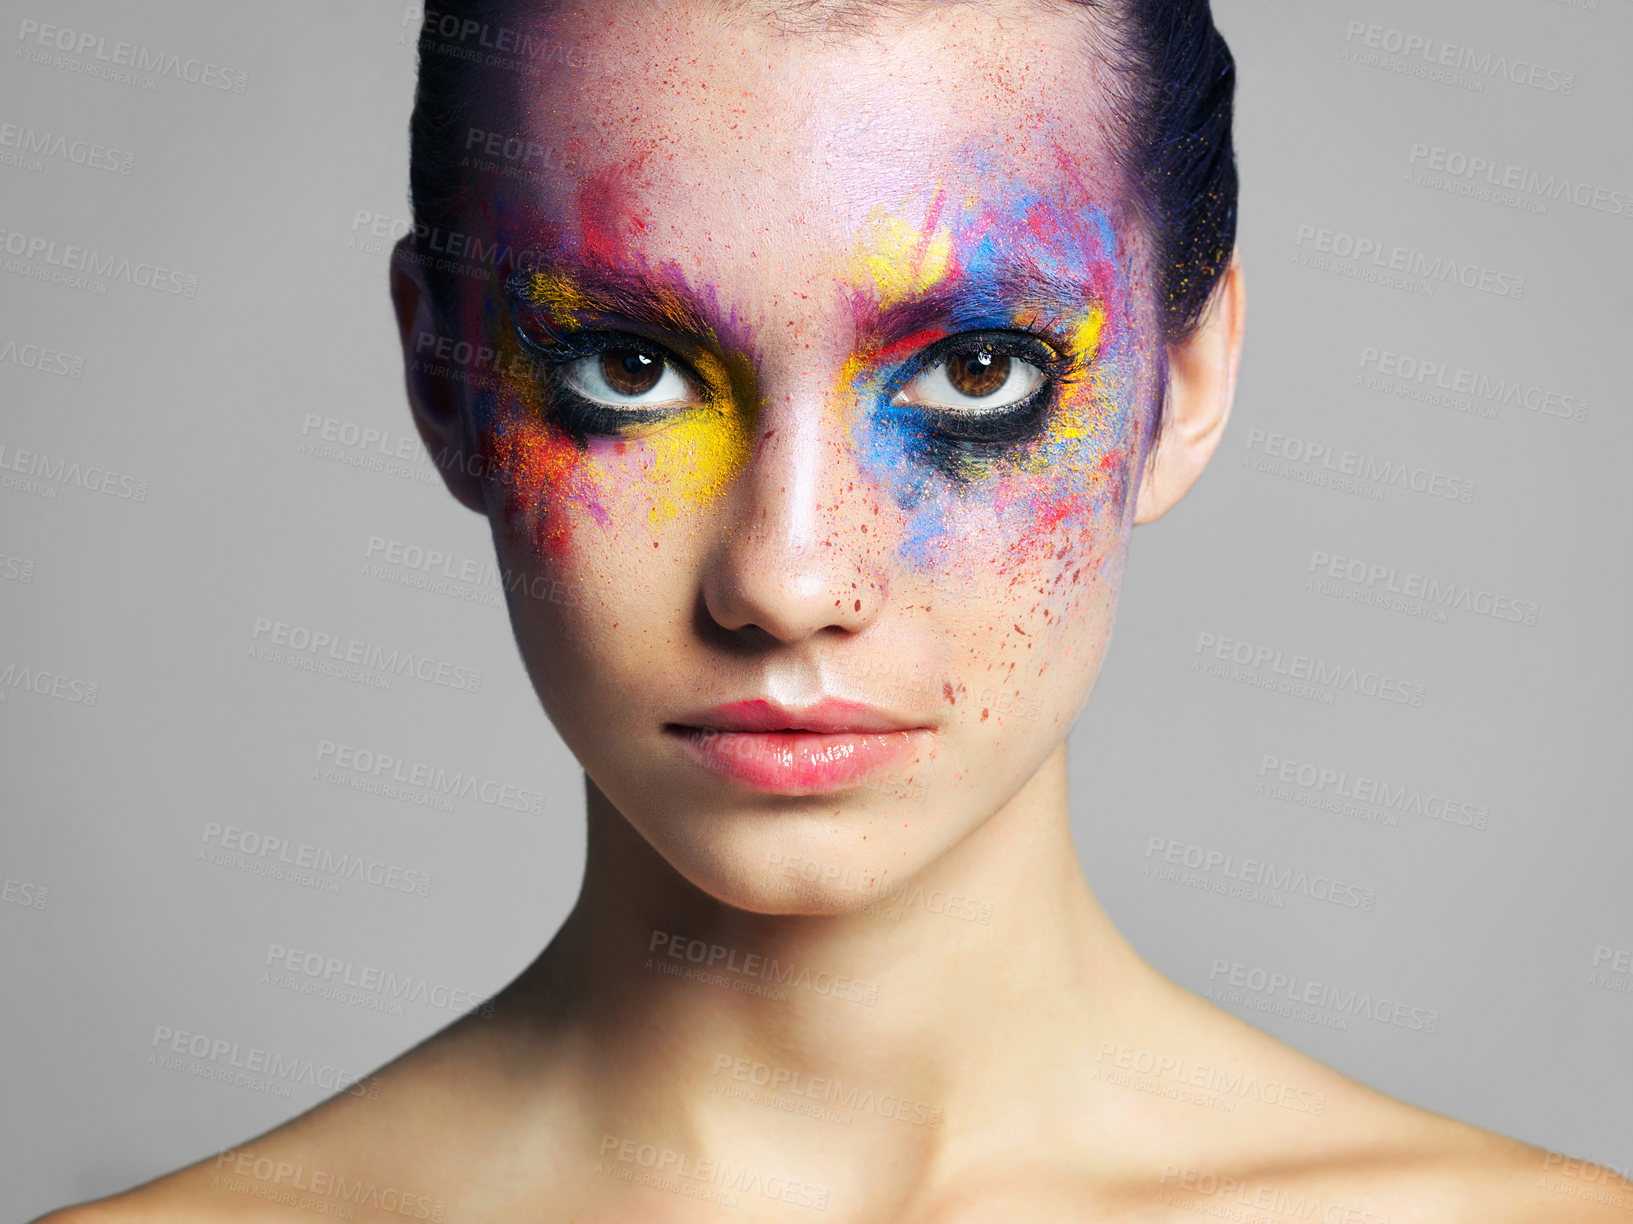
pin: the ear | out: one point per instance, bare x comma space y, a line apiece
435, 397
1201, 386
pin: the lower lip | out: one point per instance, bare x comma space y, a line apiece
798, 762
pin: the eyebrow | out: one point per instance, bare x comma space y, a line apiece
990, 298
622, 294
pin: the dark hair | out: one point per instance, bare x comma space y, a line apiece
1179, 156
1177, 80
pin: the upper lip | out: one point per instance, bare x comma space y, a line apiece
831, 715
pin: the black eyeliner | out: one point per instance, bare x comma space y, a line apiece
581, 417
947, 433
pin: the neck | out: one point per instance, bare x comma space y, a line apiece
954, 992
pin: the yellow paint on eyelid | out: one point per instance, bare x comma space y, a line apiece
1072, 422
695, 457
1085, 338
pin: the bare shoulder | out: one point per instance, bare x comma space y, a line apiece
1495, 1181
1254, 1128
1509, 1182
1398, 1163
279, 1177
400, 1146
1402, 1164
1505, 1183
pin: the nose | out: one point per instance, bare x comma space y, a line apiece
798, 555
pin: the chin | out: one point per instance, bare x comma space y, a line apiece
832, 860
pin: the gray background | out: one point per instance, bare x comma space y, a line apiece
112, 925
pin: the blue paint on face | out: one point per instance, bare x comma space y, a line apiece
1019, 263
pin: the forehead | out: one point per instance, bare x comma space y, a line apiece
714, 143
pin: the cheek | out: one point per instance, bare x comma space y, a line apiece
546, 483
688, 464
1065, 495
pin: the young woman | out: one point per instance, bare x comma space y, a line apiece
817, 360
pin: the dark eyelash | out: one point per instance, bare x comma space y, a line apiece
948, 431
579, 416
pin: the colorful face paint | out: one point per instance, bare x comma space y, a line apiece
552, 445
1020, 272
1036, 282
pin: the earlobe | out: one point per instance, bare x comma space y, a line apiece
434, 396
1201, 386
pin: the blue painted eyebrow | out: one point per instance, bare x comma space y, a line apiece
989, 300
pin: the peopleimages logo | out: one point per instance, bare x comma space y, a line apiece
1256, 1197
70, 257
713, 956
1436, 53
303, 641
280, 1181
494, 45
1612, 969
826, 1090
1490, 172
1228, 1082
685, 1173
46, 683
31, 143
1289, 986
43, 359
515, 149
1491, 393
1258, 874
907, 895
253, 1062
385, 767
16, 569
1307, 668
1374, 255
270, 848
1314, 461
1328, 789
40, 469
1434, 592
95, 50
333, 973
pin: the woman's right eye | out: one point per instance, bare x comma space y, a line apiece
625, 377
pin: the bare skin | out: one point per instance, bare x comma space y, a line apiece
1005, 1056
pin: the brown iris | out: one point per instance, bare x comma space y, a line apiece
630, 372
977, 375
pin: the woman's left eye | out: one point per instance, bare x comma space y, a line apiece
627, 377
982, 380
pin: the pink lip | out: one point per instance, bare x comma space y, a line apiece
820, 748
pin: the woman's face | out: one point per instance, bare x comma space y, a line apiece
828, 369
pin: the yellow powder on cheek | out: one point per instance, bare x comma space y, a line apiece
695, 459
